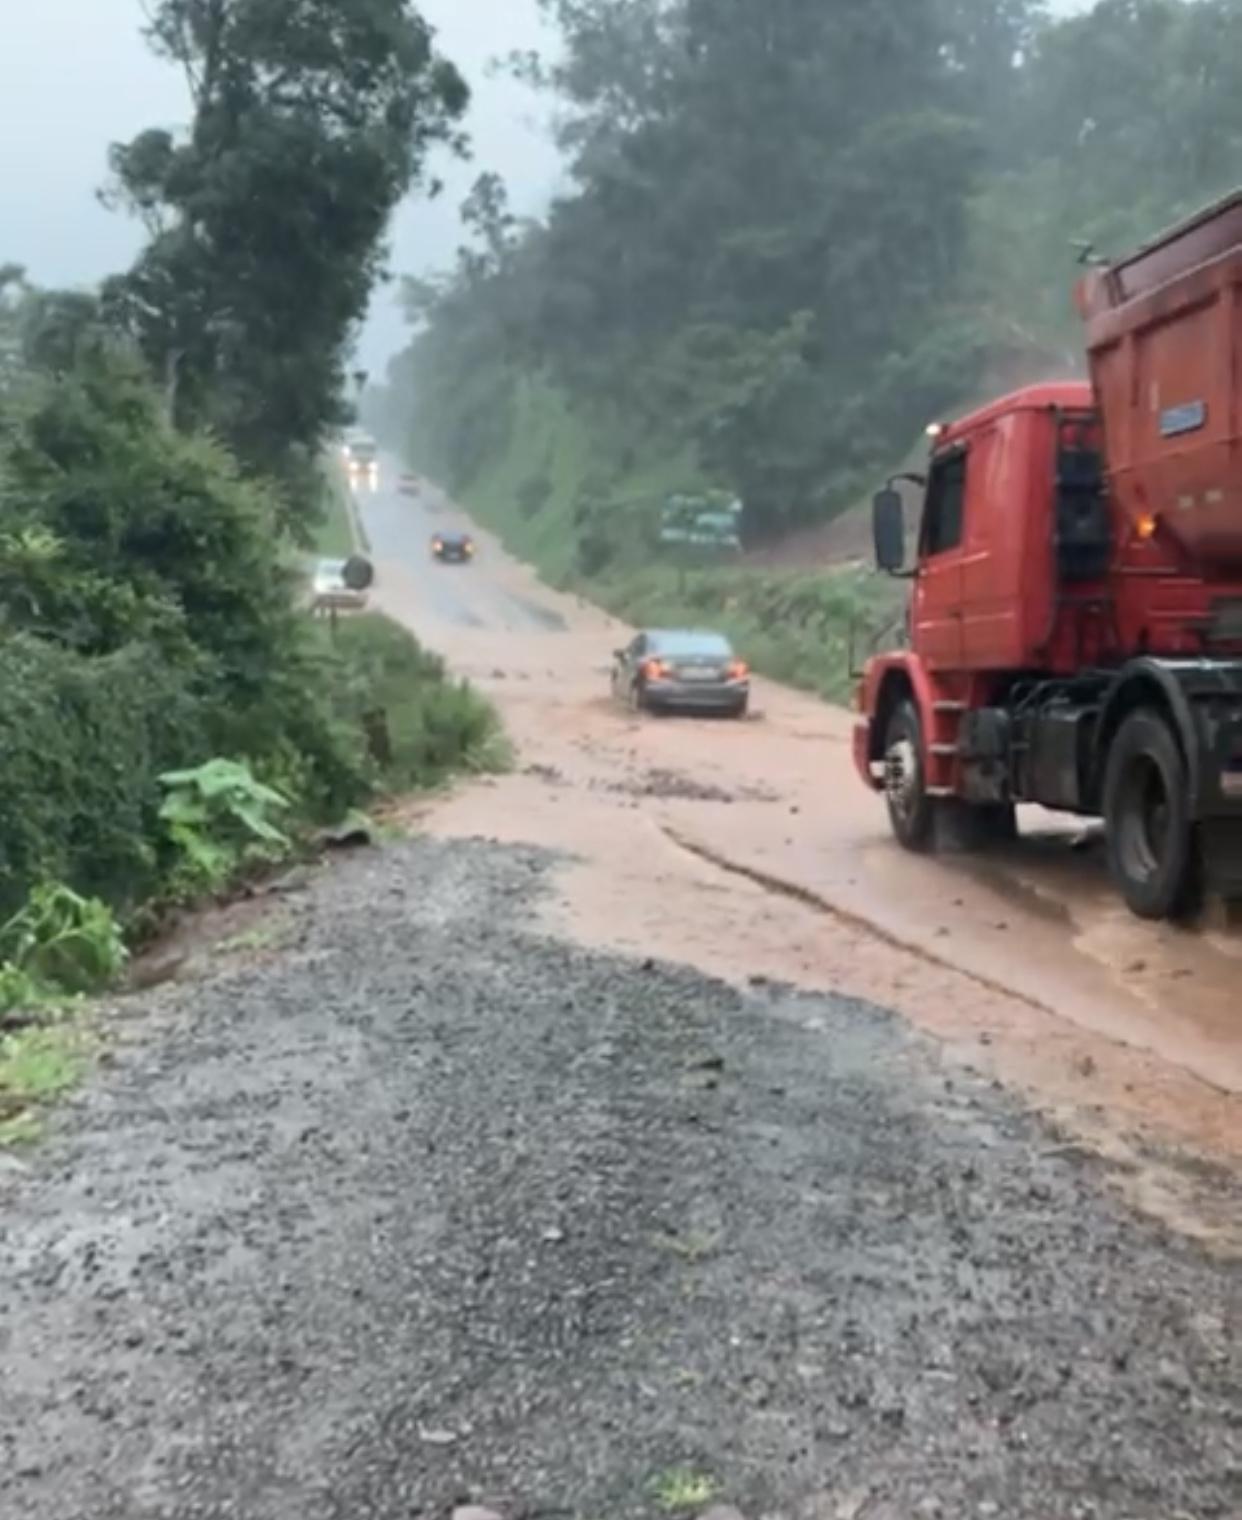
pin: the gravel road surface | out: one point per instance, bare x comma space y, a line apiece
421, 1207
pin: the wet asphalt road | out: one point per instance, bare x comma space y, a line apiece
400, 529
419, 1206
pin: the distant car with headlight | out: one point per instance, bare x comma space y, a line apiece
681, 671
453, 548
361, 454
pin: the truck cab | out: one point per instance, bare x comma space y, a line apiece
1014, 513
1075, 622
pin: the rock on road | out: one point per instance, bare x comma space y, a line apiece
421, 1208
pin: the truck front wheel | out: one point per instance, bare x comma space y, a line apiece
1150, 839
910, 810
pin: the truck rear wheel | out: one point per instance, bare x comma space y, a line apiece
1151, 846
911, 811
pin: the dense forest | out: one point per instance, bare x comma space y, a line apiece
794, 231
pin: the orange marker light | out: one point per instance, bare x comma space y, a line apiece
1146, 527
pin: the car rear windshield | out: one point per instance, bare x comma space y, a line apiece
692, 644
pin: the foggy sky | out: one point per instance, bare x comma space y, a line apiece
75, 75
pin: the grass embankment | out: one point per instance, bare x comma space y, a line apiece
426, 726
336, 537
796, 626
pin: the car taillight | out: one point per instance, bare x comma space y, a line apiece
739, 670
655, 670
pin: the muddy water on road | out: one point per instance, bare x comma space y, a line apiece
752, 850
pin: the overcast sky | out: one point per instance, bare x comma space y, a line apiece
75, 75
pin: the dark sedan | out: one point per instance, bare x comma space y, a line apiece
686, 671
453, 548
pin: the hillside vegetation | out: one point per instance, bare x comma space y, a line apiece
794, 233
172, 717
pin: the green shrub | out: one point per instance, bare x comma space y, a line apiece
218, 817
424, 724
147, 624
59, 942
82, 744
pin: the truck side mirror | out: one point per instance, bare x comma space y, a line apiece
888, 522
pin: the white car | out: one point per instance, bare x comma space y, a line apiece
329, 591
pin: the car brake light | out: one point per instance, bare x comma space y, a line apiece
655, 670
739, 670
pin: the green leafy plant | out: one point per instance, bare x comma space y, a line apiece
19, 991
681, 1490
59, 942
218, 815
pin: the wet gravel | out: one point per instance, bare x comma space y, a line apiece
425, 1208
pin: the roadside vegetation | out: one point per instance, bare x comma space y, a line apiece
335, 536
793, 235
173, 720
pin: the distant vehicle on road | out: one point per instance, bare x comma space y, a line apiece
452, 548
681, 671
331, 590
361, 455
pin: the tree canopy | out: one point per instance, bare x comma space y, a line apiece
267, 216
797, 231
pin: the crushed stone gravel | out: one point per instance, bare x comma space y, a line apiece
429, 1211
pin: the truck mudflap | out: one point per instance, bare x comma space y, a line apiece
1220, 843
862, 755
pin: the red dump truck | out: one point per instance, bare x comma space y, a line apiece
1075, 627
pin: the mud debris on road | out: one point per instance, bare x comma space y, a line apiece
427, 1208
663, 783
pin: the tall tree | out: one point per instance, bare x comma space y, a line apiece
267, 217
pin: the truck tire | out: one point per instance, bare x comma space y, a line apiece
1147, 826
911, 812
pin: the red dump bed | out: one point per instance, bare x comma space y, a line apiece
1164, 338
